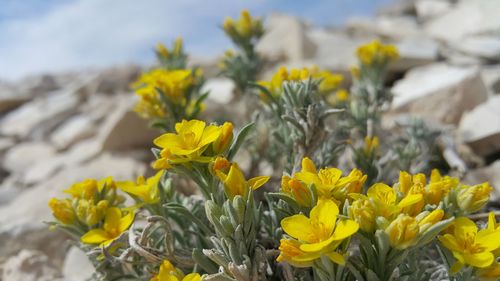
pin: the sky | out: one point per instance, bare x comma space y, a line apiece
57, 35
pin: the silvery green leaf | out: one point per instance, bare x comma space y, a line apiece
238, 141
433, 231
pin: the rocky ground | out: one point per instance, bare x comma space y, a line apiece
58, 129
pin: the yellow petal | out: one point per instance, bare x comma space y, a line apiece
192, 277
211, 134
464, 228
410, 200
325, 213
316, 247
488, 239
382, 192
257, 182
345, 228
94, 236
167, 140
308, 165
449, 242
481, 260
456, 267
336, 258
112, 219
126, 221
299, 227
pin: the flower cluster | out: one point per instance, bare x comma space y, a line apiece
377, 53
168, 272
175, 58
243, 29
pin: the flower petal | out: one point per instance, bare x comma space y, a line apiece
325, 213
112, 219
299, 227
126, 221
336, 258
345, 228
481, 260
488, 239
449, 242
257, 182
94, 236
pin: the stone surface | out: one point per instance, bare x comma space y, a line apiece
491, 78
77, 266
468, 17
221, 90
41, 113
24, 155
487, 47
73, 130
429, 9
286, 39
116, 79
480, 128
124, 129
415, 51
394, 28
30, 265
490, 174
439, 91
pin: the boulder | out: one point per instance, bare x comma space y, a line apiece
73, 130
10, 97
124, 129
21, 220
286, 39
491, 77
489, 174
221, 90
116, 79
481, 46
24, 155
415, 51
439, 91
30, 265
395, 28
480, 128
77, 266
429, 9
472, 17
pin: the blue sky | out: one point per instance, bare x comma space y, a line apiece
56, 35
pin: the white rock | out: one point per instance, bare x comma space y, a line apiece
415, 51
29, 265
491, 78
468, 17
429, 9
41, 114
221, 90
116, 79
480, 128
77, 266
124, 129
286, 38
73, 130
439, 91
21, 220
24, 155
487, 47
394, 28
10, 97
6, 143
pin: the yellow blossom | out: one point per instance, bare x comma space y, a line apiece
297, 190
225, 138
187, 144
376, 53
403, 232
236, 184
291, 253
470, 246
371, 145
162, 51
490, 273
168, 272
427, 219
85, 189
62, 210
147, 190
321, 233
364, 213
244, 28
115, 223
473, 198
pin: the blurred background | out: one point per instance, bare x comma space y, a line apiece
66, 104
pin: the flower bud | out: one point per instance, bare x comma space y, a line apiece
300, 192
363, 212
62, 210
225, 138
403, 232
472, 198
162, 51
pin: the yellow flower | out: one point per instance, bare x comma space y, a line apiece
364, 213
168, 272
173, 84
429, 219
244, 28
177, 46
291, 253
470, 246
85, 189
188, 144
145, 189
376, 53
236, 184
225, 138
371, 145
321, 233
342, 95
115, 223
403, 232
439, 187
473, 198
490, 273
329, 81
298, 190
162, 51
62, 210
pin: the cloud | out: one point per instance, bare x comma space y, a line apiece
61, 35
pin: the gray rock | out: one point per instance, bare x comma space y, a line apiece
468, 17
30, 265
24, 155
116, 79
286, 39
487, 47
77, 266
480, 128
73, 130
394, 28
439, 91
415, 51
491, 77
429, 9
489, 174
